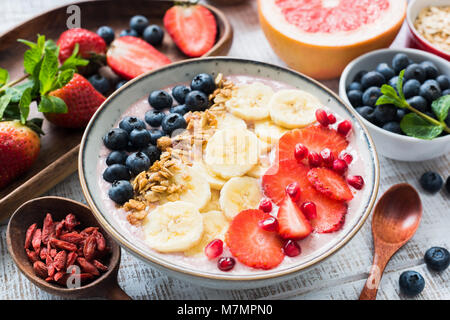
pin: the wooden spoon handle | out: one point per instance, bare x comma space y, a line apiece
115, 292
370, 289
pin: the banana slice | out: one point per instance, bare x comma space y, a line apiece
173, 227
214, 181
227, 120
269, 131
239, 194
231, 152
259, 169
215, 225
250, 101
293, 108
213, 204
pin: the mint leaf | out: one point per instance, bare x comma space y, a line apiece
415, 126
24, 105
386, 100
387, 90
48, 71
400, 84
17, 91
74, 61
4, 101
4, 77
31, 58
51, 104
64, 78
441, 107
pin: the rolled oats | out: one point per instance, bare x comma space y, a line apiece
433, 23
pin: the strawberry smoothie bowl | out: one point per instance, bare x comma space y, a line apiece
228, 173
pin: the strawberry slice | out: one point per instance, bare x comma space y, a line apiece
280, 175
193, 28
330, 213
130, 57
292, 222
250, 244
315, 138
330, 184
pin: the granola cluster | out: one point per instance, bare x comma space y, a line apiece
433, 23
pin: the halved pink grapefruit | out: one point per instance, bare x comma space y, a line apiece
320, 37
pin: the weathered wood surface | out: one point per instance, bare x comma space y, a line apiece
340, 277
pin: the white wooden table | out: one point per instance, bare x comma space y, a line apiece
340, 277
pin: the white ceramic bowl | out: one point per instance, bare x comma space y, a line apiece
113, 108
392, 145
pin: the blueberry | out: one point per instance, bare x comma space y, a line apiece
130, 123
355, 98
116, 139
152, 152
197, 101
160, 99
437, 258
367, 113
131, 148
116, 172
447, 184
153, 34
128, 32
120, 84
154, 117
180, 109
138, 23
354, 86
431, 182
203, 82
121, 191
430, 90
100, 83
418, 102
415, 71
401, 113
371, 96
116, 157
431, 71
155, 134
140, 137
385, 113
179, 93
444, 82
411, 88
411, 283
385, 70
358, 76
393, 82
372, 79
172, 122
446, 92
137, 162
107, 33
393, 127
400, 62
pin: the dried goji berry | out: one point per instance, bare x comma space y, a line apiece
43, 253
100, 239
72, 237
87, 266
58, 276
59, 229
71, 221
36, 241
29, 235
40, 269
60, 261
32, 256
64, 245
89, 247
48, 228
87, 231
100, 266
71, 258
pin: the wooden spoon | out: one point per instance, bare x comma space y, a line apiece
34, 211
395, 220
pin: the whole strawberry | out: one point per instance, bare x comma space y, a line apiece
82, 101
19, 149
90, 44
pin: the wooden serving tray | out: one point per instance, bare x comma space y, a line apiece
59, 147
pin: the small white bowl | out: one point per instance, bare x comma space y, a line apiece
392, 145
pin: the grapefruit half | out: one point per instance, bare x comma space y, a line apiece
320, 37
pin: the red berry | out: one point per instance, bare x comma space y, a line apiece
301, 152
339, 166
309, 210
293, 190
314, 159
214, 249
291, 248
226, 263
347, 157
322, 117
356, 182
327, 157
331, 119
344, 127
269, 224
265, 205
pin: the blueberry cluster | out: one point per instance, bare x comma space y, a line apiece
432, 182
423, 84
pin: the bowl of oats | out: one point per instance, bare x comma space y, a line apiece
429, 25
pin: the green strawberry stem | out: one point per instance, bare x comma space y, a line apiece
426, 117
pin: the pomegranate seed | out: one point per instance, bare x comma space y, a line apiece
314, 159
347, 157
356, 182
293, 190
331, 118
340, 166
269, 224
226, 263
214, 249
301, 152
327, 157
291, 248
344, 127
265, 205
309, 210
322, 117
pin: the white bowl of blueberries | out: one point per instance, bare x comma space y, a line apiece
411, 125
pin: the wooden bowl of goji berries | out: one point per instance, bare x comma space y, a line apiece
59, 246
